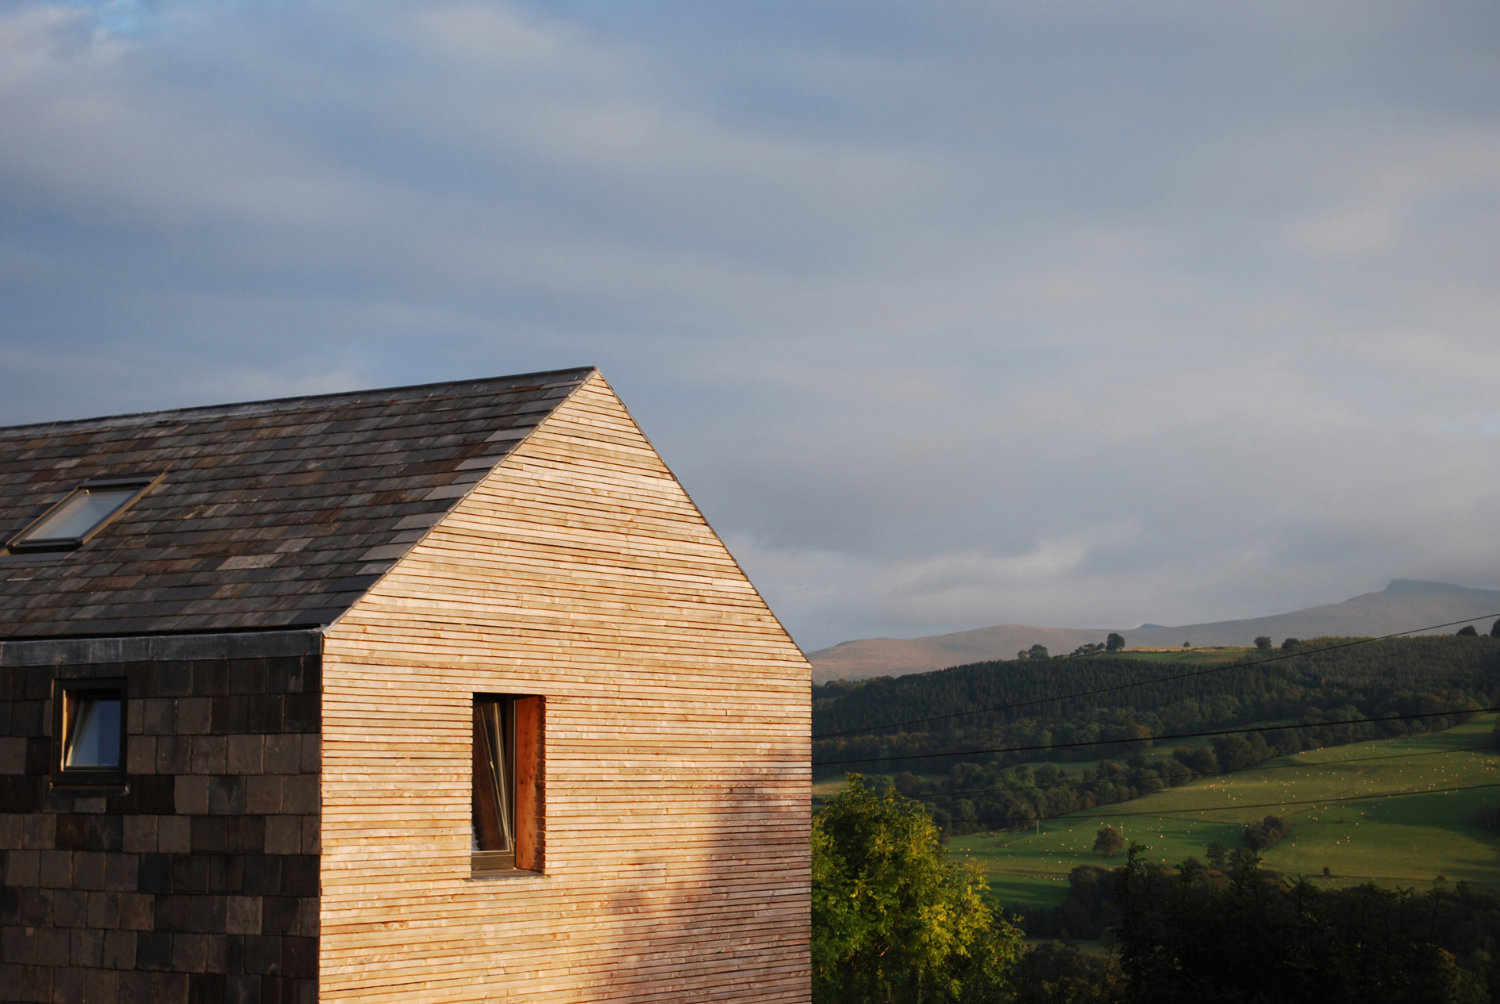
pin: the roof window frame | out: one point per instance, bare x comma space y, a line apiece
25, 543
71, 703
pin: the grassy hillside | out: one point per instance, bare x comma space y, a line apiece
1404, 840
1024, 703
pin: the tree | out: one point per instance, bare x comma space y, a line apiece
1495, 630
892, 917
1037, 652
1109, 841
1263, 643
1055, 971
1200, 761
1234, 752
1290, 644
1468, 631
1138, 733
1253, 936
1269, 832
1114, 642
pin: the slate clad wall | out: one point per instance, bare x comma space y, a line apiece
200, 880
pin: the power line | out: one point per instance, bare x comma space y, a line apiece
1152, 739
1077, 782
1091, 814
1163, 679
1301, 801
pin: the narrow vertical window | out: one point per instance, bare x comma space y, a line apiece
89, 732
506, 800
494, 783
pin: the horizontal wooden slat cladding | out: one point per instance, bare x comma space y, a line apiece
675, 763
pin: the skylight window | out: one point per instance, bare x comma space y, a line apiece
83, 513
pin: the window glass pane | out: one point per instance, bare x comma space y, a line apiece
494, 779
93, 732
81, 512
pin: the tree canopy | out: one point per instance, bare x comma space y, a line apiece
1193, 935
892, 917
1109, 841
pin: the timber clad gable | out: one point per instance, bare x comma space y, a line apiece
660, 818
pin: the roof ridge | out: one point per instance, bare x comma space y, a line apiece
558, 377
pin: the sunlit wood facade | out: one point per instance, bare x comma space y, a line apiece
675, 790
667, 852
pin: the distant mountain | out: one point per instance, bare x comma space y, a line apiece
1403, 605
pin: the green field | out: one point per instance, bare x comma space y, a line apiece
1405, 840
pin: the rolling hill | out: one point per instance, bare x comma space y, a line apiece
1403, 605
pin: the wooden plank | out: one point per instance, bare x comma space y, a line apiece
674, 769
529, 831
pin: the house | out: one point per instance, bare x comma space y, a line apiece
440, 693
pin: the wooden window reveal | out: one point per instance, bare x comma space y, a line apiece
507, 799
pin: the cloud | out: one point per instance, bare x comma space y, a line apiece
1080, 314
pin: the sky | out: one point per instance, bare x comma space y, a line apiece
946, 315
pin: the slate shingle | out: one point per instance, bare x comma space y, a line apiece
271, 514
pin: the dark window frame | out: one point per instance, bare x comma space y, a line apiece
23, 542
67, 699
506, 799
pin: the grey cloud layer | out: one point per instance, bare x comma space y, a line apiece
1071, 313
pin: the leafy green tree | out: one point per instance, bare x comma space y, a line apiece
1190, 937
1468, 631
1109, 841
1269, 832
1059, 973
1291, 644
1200, 760
1263, 643
1114, 642
1037, 652
1234, 752
1495, 630
892, 917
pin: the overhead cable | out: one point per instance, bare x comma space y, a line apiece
1293, 801
1154, 739
1279, 657
1077, 782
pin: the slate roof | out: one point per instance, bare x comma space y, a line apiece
271, 515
